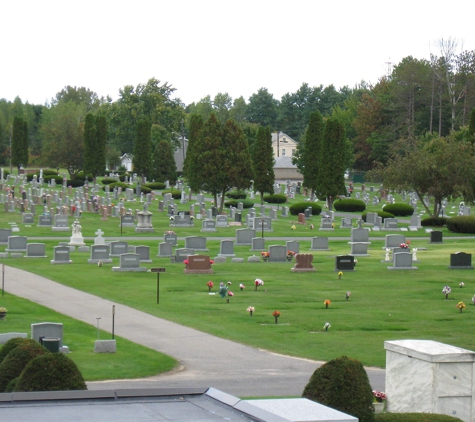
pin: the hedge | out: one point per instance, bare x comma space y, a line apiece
117, 185
58, 179
176, 194
75, 183
246, 203
434, 222
9, 346
381, 214
275, 198
349, 205
399, 209
300, 207
414, 417
108, 181
462, 224
155, 185
236, 194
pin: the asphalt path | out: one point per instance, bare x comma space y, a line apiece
205, 360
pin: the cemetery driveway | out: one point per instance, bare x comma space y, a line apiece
205, 360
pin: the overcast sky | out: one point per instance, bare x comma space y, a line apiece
202, 47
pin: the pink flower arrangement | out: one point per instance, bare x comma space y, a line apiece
258, 282
210, 285
242, 286
230, 293
379, 395
186, 261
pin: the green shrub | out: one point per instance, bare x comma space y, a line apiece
75, 183
11, 385
381, 214
145, 189
342, 384
13, 365
414, 417
108, 181
434, 222
349, 205
176, 194
246, 203
9, 346
275, 198
236, 194
57, 179
155, 185
399, 209
117, 185
48, 172
300, 207
462, 224
51, 372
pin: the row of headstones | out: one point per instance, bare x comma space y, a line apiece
374, 220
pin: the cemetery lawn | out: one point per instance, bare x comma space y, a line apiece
80, 337
384, 305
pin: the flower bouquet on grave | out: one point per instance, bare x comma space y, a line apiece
290, 255
327, 303
230, 294
265, 256
326, 326
258, 282
379, 396
404, 246
446, 291
461, 284
348, 296
276, 315
250, 309
210, 285
242, 287
340, 274
460, 306
186, 262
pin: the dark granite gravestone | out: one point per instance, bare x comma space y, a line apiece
461, 261
345, 263
435, 236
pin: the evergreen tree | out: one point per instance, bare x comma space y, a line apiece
313, 144
211, 156
101, 144
263, 163
164, 166
471, 125
191, 168
142, 159
24, 149
331, 162
18, 139
89, 145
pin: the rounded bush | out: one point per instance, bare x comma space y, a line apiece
108, 181
57, 179
9, 346
414, 417
434, 222
11, 385
155, 185
462, 224
116, 185
48, 172
176, 194
246, 203
75, 183
82, 176
145, 189
275, 198
342, 384
236, 194
50, 372
349, 205
300, 207
13, 365
381, 214
399, 209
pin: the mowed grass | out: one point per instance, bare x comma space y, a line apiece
130, 361
384, 305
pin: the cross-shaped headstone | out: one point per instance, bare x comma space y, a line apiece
99, 233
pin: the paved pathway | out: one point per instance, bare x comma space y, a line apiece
206, 360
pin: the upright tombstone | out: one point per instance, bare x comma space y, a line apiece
127, 220
226, 248
48, 330
99, 240
436, 236
4, 235
183, 253
394, 240
45, 220
461, 261
371, 218
293, 245
198, 264
222, 221
277, 253
129, 262
28, 218
197, 243
118, 248
258, 244
144, 221
60, 223
426, 376
165, 250
76, 238
208, 225
244, 236
303, 263
346, 223
415, 222
35, 250
61, 255
359, 240
100, 253
390, 224
144, 253
16, 244
171, 237
326, 224
402, 261
319, 244
345, 263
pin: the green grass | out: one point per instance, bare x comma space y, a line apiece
80, 337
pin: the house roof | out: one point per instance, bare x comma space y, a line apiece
284, 161
282, 135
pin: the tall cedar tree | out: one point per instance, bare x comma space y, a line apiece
19, 148
263, 163
164, 166
142, 159
471, 125
191, 168
237, 159
331, 163
89, 145
313, 146
101, 144
211, 157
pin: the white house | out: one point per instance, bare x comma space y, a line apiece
283, 145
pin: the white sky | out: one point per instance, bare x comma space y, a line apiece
203, 47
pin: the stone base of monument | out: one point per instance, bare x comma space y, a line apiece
302, 270
144, 229
198, 271
61, 262
105, 346
76, 241
96, 261
61, 229
129, 269
403, 268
